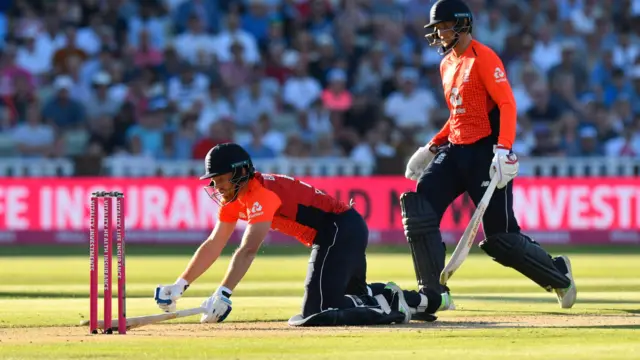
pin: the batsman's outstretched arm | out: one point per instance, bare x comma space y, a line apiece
242, 259
166, 296
209, 251
218, 306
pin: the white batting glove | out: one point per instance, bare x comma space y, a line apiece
504, 165
218, 306
167, 296
419, 161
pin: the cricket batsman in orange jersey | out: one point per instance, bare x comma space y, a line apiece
336, 291
473, 146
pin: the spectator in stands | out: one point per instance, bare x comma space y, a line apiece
625, 50
212, 107
372, 71
194, 41
296, 147
271, 137
326, 147
234, 33
20, 99
33, 138
145, 54
588, 143
61, 110
99, 101
544, 111
185, 138
103, 139
619, 87
410, 107
147, 18
574, 67
301, 90
36, 60
372, 147
626, 145
150, 128
236, 72
70, 50
219, 132
253, 102
569, 65
89, 38
336, 97
184, 90
257, 147
207, 11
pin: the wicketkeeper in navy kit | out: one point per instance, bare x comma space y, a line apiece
474, 145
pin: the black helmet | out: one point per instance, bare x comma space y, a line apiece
223, 159
226, 158
449, 10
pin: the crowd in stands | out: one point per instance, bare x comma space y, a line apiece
168, 79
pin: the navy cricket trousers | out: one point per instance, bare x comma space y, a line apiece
337, 265
457, 169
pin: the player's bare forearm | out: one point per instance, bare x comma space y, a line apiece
208, 252
243, 257
240, 263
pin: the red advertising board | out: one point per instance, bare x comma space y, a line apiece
593, 210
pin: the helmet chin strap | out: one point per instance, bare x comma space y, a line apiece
444, 50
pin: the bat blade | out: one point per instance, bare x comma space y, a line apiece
138, 321
466, 240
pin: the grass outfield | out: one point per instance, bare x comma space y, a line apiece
500, 314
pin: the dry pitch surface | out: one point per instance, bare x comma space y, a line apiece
259, 329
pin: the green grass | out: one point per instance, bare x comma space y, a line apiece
500, 315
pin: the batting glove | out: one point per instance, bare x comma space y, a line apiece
167, 296
504, 165
419, 161
218, 306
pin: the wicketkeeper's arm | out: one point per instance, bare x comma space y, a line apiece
253, 237
209, 251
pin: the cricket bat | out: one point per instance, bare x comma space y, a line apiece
466, 241
136, 322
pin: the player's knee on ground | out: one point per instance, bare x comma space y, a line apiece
364, 310
422, 229
517, 251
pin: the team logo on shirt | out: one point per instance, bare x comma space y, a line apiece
466, 75
256, 210
456, 100
499, 75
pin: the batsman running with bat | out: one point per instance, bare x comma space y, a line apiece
336, 292
473, 146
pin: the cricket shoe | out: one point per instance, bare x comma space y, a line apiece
398, 301
566, 296
446, 303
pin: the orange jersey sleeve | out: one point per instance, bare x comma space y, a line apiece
261, 205
441, 137
495, 80
230, 212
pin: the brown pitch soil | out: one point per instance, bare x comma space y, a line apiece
261, 329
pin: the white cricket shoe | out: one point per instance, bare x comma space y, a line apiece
399, 299
567, 296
